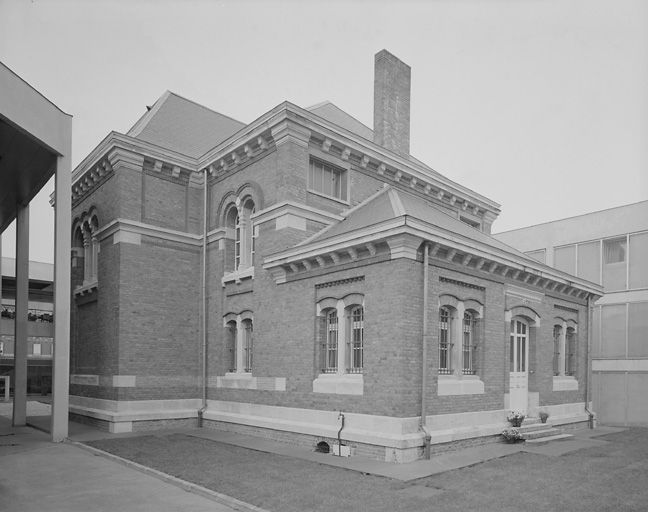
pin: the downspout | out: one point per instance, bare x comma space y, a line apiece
590, 318
426, 335
204, 304
339, 436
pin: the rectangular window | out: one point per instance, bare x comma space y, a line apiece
36, 350
589, 261
565, 258
639, 260
327, 179
539, 255
231, 345
613, 330
445, 346
614, 264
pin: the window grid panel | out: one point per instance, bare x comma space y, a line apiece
327, 180
231, 348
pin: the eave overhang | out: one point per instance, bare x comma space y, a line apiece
404, 235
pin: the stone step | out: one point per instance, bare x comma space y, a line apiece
538, 434
530, 427
549, 438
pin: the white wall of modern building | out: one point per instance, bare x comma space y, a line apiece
608, 247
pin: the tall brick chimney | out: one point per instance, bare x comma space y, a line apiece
392, 85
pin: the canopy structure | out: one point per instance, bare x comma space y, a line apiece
36, 144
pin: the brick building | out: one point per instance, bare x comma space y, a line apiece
303, 274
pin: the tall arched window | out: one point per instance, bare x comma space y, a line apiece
247, 345
557, 341
239, 220
445, 346
356, 339
519, 345
570, 351
468, 343
331, 348
231, 333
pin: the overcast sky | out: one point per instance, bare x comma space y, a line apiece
540, 105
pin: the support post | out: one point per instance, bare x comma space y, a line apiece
62, 294
22, 304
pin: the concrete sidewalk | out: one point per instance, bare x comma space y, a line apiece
38, 475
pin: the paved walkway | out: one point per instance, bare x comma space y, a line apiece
70, 476
37, 475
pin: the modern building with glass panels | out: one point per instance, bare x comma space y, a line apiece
608, 247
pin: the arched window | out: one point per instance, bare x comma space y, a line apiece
238, 219
557, 341
570, 351
231, 344
468, 343
355, 339
247, 345
445, 345
331, 342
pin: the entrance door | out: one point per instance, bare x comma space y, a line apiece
519, 376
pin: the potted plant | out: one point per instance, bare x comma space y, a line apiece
543, 416
512, 435
515, 418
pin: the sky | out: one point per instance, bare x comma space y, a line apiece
540, 105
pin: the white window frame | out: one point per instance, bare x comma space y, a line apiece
342, 172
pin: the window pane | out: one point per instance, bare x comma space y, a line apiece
613, 330
639, 260
637, 329
596, 332
537, 255
614, 264
565, 258
589, 261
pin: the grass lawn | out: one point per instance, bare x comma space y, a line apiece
609, 477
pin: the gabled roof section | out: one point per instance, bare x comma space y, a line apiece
336, 115
184, 126
402, 221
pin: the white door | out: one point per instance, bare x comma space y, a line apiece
519, 358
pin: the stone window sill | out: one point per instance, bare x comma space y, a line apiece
460, 385
565, 383
339, 384
238, 275
242, 380
86, 288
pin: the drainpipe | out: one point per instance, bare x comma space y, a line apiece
426, 336
204, 304
340, 434
590, 318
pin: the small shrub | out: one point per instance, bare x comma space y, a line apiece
543, 416
512, 435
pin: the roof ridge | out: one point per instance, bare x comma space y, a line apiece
206, 107
145, 119
345, 214
329, 102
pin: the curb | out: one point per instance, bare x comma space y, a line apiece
223, 499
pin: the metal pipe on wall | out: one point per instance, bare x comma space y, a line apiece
424, 372
204, 304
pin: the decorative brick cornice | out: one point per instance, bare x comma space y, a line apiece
443, 279
339, 282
